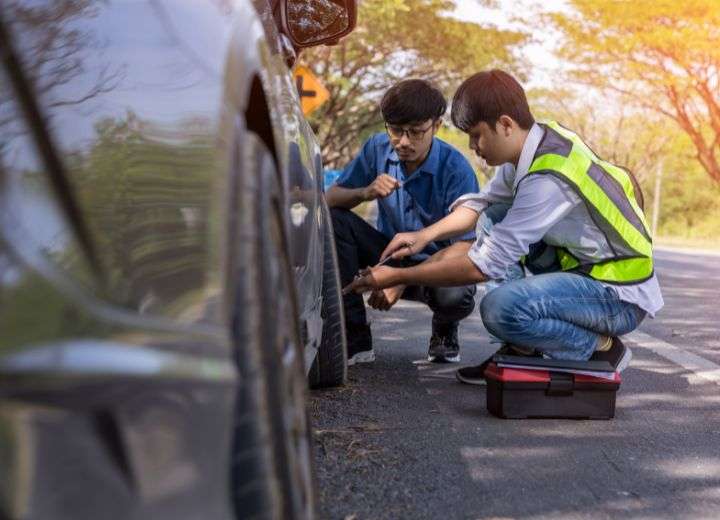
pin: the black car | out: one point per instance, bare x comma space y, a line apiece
168, 280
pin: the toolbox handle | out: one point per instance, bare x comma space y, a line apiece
561, 384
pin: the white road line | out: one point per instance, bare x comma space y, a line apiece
687, 251
703, 368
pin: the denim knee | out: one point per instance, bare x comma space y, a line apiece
500, 312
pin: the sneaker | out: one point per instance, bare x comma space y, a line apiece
359, 344
618, 355
444, 346
475, 375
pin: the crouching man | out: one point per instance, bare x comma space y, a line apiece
554, 194
414, 177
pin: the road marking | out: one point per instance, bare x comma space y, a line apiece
687, 251
701, 367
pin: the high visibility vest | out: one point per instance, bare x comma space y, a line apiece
611, 196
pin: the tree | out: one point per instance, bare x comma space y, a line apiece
397, 39
661, 54
617, 132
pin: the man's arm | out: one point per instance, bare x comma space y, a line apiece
450, 270
541, 202
348, 198
460, 221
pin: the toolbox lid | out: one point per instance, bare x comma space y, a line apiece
590, 365
527, 377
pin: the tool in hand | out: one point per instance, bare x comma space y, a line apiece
347, 289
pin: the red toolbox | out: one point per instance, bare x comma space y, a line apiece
521, 393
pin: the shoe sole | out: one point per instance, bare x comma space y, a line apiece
444, 359
624, 360
367, 356
468, 381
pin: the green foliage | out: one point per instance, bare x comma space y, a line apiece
395, 40
686, 211
644, 143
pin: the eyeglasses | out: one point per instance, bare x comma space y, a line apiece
414, 134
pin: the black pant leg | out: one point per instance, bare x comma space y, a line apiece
450, 304
358, 245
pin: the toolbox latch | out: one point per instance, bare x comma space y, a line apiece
561, 383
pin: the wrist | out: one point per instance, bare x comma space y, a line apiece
427, 235
397, 277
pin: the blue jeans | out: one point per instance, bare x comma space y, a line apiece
560, 314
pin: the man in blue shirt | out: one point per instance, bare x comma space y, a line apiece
414, 177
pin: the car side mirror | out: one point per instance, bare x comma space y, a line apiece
309, 23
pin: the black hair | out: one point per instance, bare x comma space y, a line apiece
487, 95
412, 101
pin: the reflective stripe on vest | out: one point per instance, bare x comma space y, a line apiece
607, 190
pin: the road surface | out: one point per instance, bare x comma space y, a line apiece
405, 440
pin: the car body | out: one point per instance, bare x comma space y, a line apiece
165, 255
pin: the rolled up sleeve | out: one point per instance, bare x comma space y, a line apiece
463, 183
539, 203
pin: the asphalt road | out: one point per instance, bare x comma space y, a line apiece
404, 440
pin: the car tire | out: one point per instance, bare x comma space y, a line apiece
272, 470
329, 368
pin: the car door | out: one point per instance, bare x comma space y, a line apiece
111, 184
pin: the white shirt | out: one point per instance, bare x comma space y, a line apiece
543, 208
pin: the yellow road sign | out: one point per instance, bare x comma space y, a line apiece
312, 93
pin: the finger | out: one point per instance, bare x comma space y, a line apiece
402, 252
349, 288
391, 185
395, 244
362, 288
390, 179
362, 284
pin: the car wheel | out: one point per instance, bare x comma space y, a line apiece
272, 472
330, 365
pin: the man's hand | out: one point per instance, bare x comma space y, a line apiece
384, 299
381, 187
371, 279
405, 244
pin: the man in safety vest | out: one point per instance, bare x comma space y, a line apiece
555, 207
